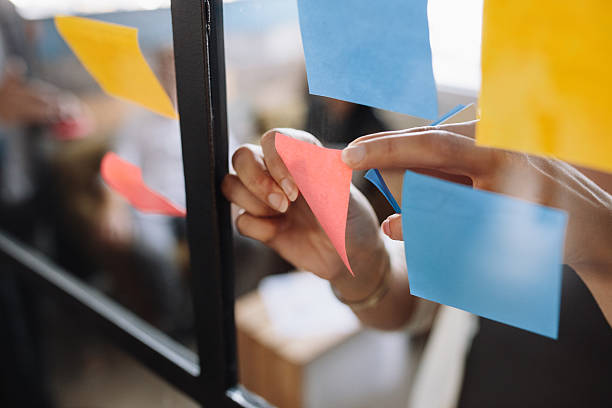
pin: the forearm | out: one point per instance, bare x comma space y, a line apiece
591, 232
596, 270
600, 285
396, 307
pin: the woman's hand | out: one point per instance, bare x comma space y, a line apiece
451, 150
23, 103
276, 214
114, 225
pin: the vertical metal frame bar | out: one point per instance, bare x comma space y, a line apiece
200, 74
201, 89
190, 21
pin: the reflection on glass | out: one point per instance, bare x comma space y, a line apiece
139, 259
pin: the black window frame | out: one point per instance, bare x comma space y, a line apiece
210, 377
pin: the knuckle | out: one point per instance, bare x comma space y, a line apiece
261, 181
443, 144
499, 160
390, 146
268, 234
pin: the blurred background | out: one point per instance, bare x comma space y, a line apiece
54, 199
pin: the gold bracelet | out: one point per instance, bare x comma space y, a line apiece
373, 298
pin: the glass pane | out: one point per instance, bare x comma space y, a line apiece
85, 369
138, 258
291, 329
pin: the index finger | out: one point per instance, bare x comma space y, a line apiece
274, 163
435, 150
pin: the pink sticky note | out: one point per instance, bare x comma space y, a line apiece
324, 182
126, 179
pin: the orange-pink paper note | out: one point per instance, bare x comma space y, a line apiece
324, 182
126, 179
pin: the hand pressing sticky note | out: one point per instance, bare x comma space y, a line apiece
126, 179
489, 254
372, 53
389, 181
324, 181
546, 80
111, 54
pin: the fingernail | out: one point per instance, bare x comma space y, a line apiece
386, 228
352, 155
278, 202
289, 188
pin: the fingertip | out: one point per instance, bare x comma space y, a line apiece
290, 188
239, 222
385, 228
353, 155
395, 227
278, 201
261, 229
270, 134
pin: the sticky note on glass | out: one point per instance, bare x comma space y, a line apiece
111, 54
372, 53
126, 180
546, 80
375, 177
486, 253
324, 181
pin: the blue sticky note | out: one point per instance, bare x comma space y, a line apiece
371, 53
448, 114
374, 176
486, 253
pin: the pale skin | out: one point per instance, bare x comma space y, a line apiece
277, 215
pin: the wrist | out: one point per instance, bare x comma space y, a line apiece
373, 298
596, 257
366, 281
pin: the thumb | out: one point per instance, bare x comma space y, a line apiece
392, 227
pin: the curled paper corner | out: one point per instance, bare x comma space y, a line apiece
126, 180
374, 177
325, 183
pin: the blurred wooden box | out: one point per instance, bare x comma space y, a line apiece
271, 365
360, 368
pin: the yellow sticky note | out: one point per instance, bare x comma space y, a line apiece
547, 79
111, 54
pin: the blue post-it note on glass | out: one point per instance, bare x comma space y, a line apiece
374, 53
374, 177
486, 253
